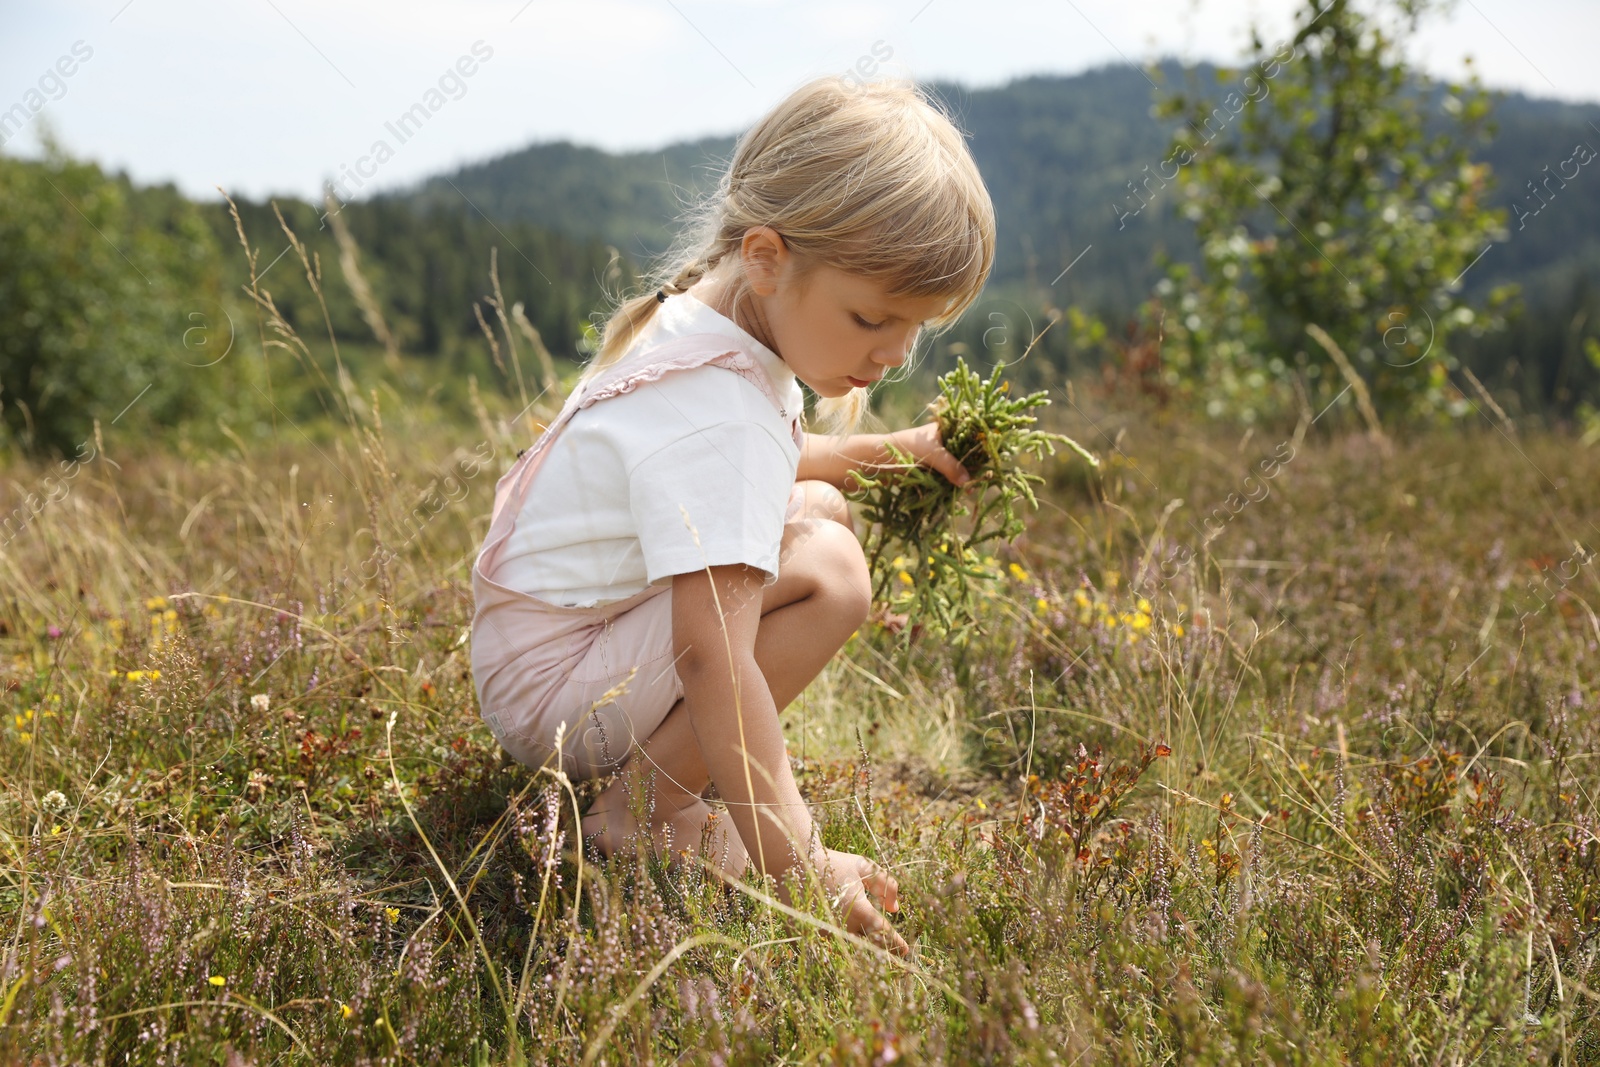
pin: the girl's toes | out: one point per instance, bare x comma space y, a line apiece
601, 832
700, 828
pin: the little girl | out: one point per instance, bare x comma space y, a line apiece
672, 562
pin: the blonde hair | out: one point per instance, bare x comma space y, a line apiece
871, 179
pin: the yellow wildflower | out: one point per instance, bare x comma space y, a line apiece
393, 914
1018, 573
217, 980
906, 578
155, 603
1041, 605
1143, 605
344, 1011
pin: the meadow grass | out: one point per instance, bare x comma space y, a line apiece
1317, 794
1271, 747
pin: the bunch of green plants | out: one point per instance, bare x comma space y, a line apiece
927, 538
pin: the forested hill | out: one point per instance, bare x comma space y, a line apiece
1057, 154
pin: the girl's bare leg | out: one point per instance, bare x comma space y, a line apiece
822, 501
820, 598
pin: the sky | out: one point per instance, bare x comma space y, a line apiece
275, 97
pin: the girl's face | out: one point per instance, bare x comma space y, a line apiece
837, 331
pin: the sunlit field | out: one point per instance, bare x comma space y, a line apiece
1273, 745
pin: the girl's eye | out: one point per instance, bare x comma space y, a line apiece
868, 325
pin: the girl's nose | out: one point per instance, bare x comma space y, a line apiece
890, 357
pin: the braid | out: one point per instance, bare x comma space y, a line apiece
690, 274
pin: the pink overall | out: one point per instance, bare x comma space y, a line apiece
611, 680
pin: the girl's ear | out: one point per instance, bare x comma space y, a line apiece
765, 256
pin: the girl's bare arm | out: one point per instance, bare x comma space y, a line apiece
831, 459
715, 613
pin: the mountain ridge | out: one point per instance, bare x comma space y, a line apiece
1057, 153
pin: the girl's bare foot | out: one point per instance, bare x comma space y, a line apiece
675, 834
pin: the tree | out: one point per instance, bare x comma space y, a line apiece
1329, 184
110, 305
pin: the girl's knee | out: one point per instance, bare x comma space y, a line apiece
819, 500
822, 560
842, 569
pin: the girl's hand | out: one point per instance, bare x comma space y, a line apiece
924, 445
849, 879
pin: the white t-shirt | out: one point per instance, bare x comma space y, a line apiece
605, 515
